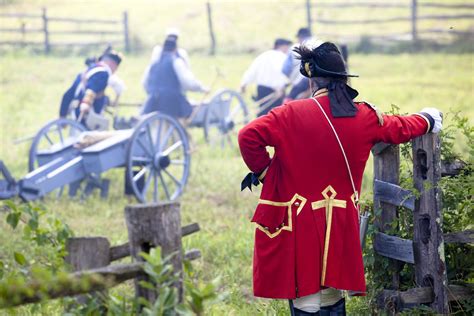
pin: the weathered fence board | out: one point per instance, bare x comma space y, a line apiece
393, 194
464, 237
386, 169
122, 251
155, 225
428, 244
394, 247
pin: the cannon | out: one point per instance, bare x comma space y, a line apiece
155, 155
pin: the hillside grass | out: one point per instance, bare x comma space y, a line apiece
243, 26
30, 91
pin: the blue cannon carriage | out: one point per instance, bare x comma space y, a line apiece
155, 153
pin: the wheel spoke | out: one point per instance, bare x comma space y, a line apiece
148, 132
172, 148
172, 177
165, 187
147, 183
143, 146
155, 187
60, 135
140, 173
167, 136
177, 162
158, 136
48, 139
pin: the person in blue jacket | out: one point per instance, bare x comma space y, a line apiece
87, 91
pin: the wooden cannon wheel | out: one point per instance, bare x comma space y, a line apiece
225, 115
158, 159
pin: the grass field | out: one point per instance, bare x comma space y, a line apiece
31, 88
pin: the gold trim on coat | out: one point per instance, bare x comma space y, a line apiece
288, 204
328, 203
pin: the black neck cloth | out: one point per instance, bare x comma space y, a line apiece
340, 98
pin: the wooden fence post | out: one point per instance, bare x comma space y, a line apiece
87, 253
387, 169
414, 16
47, 46
308, 14
428, 243
211, 29
126, 36
150, 226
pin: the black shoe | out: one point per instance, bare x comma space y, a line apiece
338, 309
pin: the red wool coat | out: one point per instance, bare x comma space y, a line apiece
307, 227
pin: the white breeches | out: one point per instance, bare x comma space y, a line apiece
312, 303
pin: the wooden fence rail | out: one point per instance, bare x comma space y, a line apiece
90, 257
426, 250
413, 18
49, 32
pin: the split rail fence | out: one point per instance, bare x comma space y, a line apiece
413, 17
109, 31
154, 225
426, 250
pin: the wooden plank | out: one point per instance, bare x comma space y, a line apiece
20, 30
86, 32
452, 168
123, 251
428, 242
394, 247
126, 32
365, 21
115, 42
359, 5
20, 15
20, 43
212, 50
192, 254
378, 148
86, 253
88, 21
445, 17
464, 237
447, 6
154, 225
387, 168
393, 194
398, 300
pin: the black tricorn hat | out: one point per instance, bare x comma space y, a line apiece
113, 55
323, 61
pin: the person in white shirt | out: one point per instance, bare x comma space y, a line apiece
265, 72
291, 66
169, 77
171, 33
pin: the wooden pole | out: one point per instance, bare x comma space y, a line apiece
87, 253
308, 14
47, 46
387, 169
150, 226
211, 29
414, 14
428, 242
126, 37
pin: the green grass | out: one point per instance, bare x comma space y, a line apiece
30, 91
240, 26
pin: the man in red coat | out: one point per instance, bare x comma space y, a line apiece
307, 246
